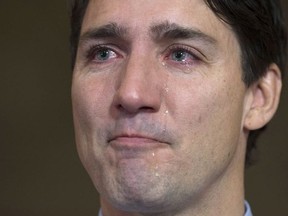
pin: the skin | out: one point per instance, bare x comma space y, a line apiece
161, 122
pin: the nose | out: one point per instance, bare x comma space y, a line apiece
138, 87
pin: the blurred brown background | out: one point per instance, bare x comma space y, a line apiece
40, 173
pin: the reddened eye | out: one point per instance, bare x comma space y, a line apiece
101, 54
178, 54
182, 56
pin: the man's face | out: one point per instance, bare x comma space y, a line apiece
158, 102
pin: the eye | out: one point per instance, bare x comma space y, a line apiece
182, 54
100, 54
104, 54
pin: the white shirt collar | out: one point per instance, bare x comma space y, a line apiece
247, 210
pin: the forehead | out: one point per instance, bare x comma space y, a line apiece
137, 18
140, 15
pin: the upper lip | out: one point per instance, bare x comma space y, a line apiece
140, 128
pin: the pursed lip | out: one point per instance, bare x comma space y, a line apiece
132, 141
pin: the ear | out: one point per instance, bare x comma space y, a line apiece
263, 99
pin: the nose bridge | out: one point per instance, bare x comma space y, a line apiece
139, 72
138, 86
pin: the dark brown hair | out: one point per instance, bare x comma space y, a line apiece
258, 25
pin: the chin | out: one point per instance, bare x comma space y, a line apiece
137, 189
139, 203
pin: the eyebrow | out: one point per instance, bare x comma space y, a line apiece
111, 30
158, 32
168, 30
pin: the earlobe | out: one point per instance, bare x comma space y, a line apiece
265, 95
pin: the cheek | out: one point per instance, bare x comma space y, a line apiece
89, 113
189, 103
207, 113
90, 101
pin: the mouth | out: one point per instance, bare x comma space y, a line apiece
136, 141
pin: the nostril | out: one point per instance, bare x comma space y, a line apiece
146, 108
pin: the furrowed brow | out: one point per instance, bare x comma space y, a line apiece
111, 30
172, 31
